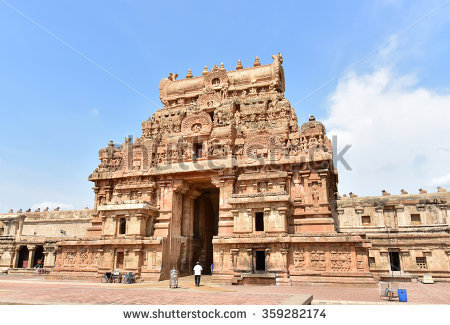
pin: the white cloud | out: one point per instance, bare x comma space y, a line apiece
52, 205
441, 181
399, 133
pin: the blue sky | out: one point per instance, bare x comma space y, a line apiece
59, 108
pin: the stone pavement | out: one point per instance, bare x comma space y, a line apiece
38, 290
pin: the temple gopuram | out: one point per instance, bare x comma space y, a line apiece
224, 175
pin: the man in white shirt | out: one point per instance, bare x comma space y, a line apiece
198, 273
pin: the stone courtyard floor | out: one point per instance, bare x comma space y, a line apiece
27, 289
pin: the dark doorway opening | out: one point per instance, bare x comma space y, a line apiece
39, 256
394, 259
206, 226
259, 221
260, 265
23, 257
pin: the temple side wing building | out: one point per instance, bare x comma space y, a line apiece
223, 174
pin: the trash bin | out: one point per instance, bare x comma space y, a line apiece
402, 295
173, 278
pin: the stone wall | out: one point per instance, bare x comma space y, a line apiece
39, 229
414, 227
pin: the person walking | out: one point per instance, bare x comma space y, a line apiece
198, 273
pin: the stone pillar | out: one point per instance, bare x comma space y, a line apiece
284, 254
233, 254
305, 180
95, 188
323, 186
108, 193
187, 226
250, 259
15, 252
31, 251
226, 187
49, 257
268, 251
165, 209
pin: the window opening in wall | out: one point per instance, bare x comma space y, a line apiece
371, 261
122, 226
260, 264
2, 231
421, 262
365, 220
259, 221
197, 150
415, 219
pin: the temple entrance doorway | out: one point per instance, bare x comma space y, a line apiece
200, 224
206, 226
22, 261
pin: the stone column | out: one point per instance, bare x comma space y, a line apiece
187, 226
226, 186
284, 253
267, 251
31, 251
95, 188
165, 209
250, 259
15, 253
49, 257
323, 195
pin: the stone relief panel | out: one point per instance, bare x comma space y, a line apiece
341, 259
318, 260
299, 259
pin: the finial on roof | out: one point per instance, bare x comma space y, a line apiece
189, 74
256, 63
222, 67
205, 71
403, 192
312, 118
239, 65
